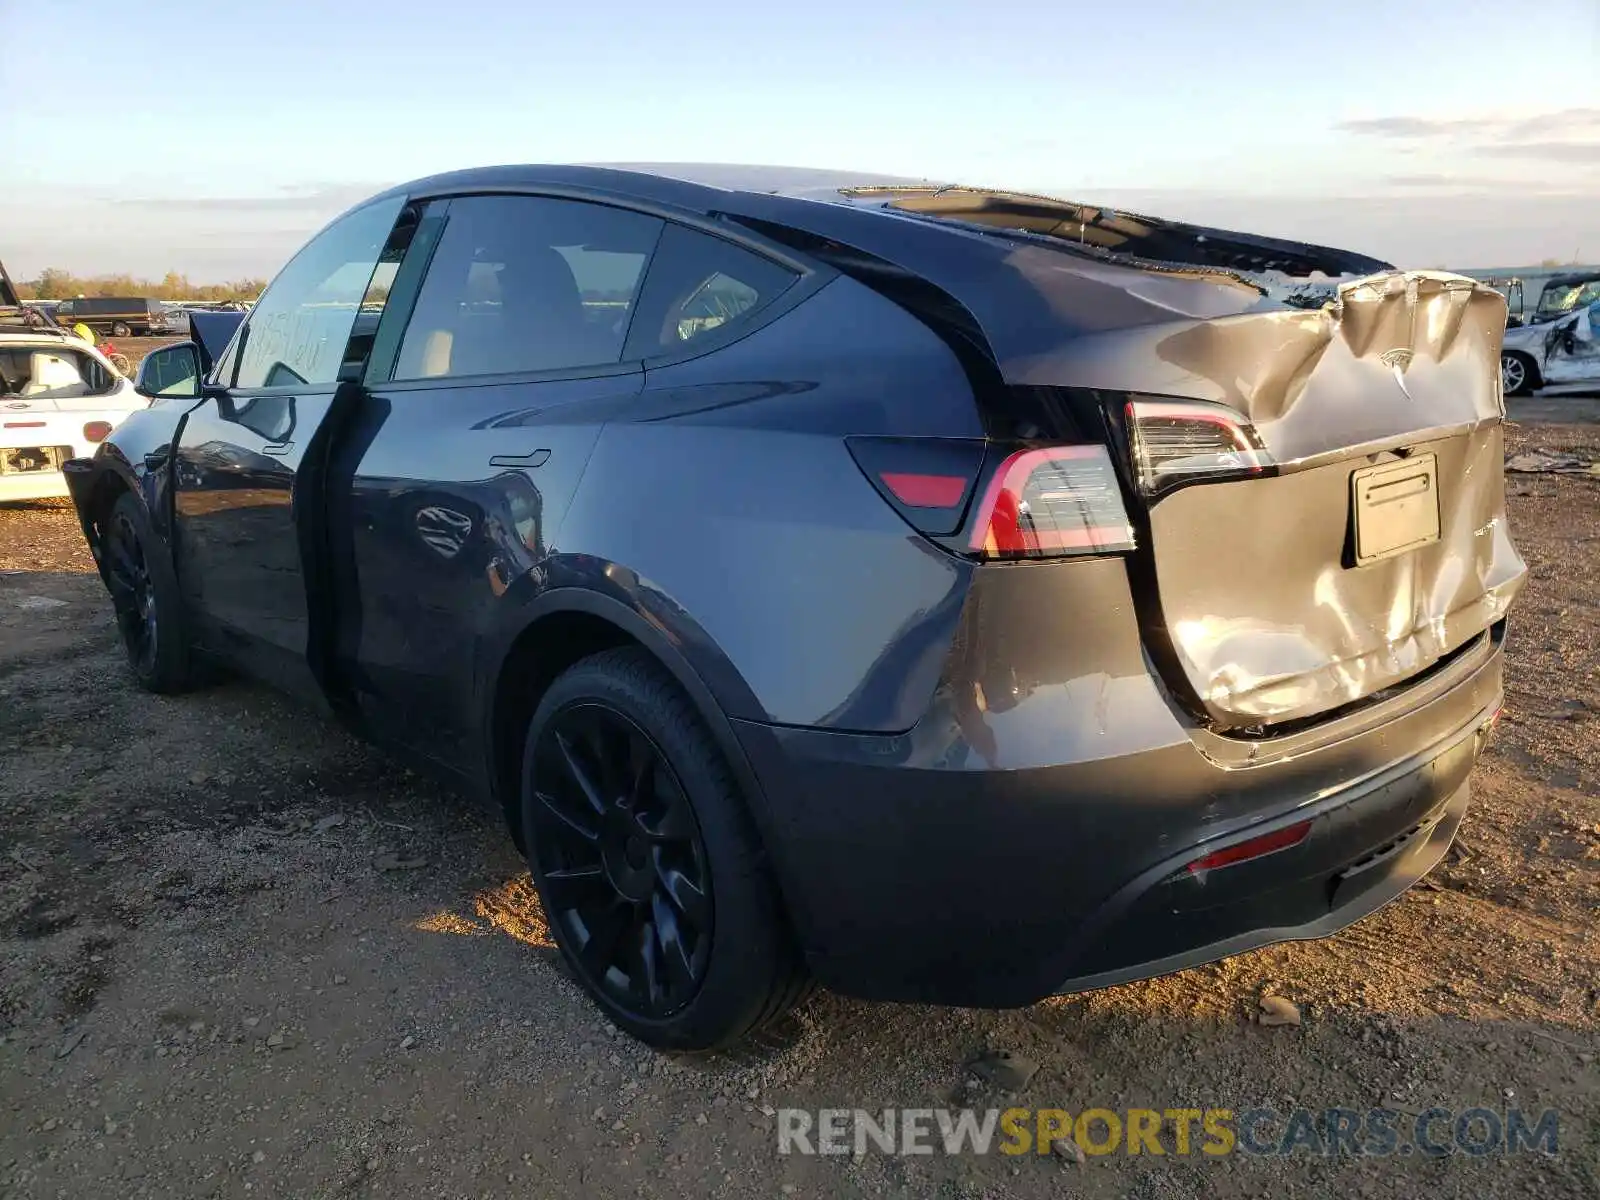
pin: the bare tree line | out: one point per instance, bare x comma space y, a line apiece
55, 284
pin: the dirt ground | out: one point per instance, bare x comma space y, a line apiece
137, 347
242, 955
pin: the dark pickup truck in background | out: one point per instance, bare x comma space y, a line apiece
119, 316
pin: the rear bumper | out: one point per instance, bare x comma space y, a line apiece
33, 485
999, 853
41, 485
1171, 919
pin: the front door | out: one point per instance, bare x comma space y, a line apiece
247, 509
1573, 354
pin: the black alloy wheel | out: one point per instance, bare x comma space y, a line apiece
133, 593
653, 877
622, 866
145, 598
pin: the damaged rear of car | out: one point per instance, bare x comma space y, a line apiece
1233, 636
59, 399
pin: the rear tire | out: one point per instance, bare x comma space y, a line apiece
145, 597
652, 877
120, 329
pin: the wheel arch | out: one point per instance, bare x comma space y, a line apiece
560, 627
95, 485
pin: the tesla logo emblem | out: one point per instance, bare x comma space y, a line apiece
1398, 360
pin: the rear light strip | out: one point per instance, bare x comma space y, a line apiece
1047, 503
1181, 441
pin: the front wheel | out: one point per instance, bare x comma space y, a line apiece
120, 329
144, 595
651, 875
1518, 375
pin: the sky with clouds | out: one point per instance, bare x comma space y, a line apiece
212, 139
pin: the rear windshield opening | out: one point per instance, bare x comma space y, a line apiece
51, 373
1151, 238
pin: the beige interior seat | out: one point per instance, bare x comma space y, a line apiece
436, 353
53, 375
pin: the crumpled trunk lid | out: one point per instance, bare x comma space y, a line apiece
1269, 624
1268, 612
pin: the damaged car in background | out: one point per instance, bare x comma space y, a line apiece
1560, 346
939, 594
59, 398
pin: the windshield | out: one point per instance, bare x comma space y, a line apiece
1566, 297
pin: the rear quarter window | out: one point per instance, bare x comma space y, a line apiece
698, 285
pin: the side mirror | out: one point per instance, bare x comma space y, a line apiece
172, 371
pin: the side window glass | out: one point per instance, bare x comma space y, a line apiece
297, 332
698, 283
525, 283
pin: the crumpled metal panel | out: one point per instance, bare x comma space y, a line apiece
1267, 621
1392, 355
1267, 617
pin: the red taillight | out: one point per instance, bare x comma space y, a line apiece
925, 491
97, 431
24, 424
928, 481
1057, 501
1267, 843
1179, 441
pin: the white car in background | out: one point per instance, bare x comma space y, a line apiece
1560, 347
59, 398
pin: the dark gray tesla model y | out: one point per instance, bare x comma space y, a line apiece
939, 593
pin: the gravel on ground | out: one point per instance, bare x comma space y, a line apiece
243, 955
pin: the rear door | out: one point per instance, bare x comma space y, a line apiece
247, 509
449, 488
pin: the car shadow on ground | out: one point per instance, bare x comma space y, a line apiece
1555, 408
